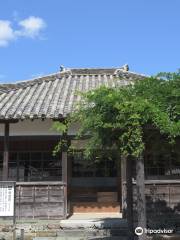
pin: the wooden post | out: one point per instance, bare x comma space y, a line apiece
69, 177
64, 167
65, 171
141, 202
6, 151
129, 198
64, 179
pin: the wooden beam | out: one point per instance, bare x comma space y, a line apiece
6, 152
2, 121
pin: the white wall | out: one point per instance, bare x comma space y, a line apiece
34, 128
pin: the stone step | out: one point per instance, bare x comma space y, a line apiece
93, 232
81, 238
93, 223
89, 234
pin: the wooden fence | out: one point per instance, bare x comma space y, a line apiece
167, 191
162, 202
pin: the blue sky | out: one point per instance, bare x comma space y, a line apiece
37, 36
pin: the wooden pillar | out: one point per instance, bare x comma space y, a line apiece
141, 202
64, 179
6, 152
65, 171
64, 167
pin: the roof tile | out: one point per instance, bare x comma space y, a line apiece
56, 95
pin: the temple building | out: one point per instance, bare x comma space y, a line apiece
54, 187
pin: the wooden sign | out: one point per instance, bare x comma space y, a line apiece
7, 195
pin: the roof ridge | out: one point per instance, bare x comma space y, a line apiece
6, 87
94, 68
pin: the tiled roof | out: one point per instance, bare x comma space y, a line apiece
55, 96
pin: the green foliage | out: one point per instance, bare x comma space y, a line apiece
60, 127
117, 118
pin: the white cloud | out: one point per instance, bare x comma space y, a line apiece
30, 27
6, 33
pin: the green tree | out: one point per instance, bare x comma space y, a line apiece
121, 119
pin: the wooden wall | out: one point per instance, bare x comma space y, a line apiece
40, 200
46, 200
